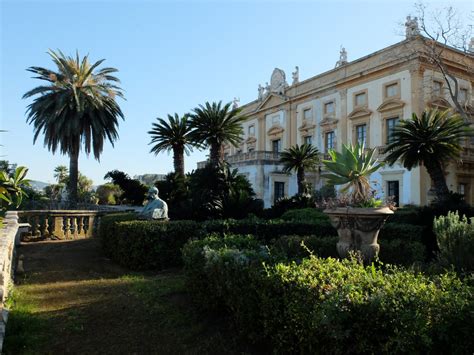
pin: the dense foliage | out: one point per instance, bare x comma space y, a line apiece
133, 191
76, 108
300, 159
321, 304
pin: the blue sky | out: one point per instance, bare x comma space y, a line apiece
173, 56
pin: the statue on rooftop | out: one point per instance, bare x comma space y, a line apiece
296, 75
156, 208
260, 92
411, 27
235, 103
471, 45
342, 57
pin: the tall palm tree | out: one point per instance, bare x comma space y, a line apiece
300, 158
61, 173
214, 124
172, 135
429, 140
76, 108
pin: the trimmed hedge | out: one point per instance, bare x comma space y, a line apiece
157, 245
326, 305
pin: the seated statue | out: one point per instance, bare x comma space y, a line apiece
156, 208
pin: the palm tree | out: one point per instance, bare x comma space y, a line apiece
61, 173
76, 108
214, 124
429, 140
172, 135
300, 158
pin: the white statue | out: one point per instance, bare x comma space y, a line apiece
267, 89
235, 103
342, 57
156, 208
260, 92
296, 75
411, 27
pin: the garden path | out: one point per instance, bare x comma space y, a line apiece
72, 299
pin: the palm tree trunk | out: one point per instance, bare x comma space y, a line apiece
73, 177
178, 160
214, 154
437, 175
300, 177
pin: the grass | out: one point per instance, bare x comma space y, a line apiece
66, 303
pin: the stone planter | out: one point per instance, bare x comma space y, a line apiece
358, 229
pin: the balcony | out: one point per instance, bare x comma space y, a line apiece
257, 156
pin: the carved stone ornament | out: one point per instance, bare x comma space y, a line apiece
278, 82
275, 131
391, 104
358, 229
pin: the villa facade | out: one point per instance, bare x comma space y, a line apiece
361, 100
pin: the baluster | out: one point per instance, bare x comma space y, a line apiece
80, 227
74, 227
67, 229
46, 233
58, 227
34, 225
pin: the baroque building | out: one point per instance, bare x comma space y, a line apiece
360, 100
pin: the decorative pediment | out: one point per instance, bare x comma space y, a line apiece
359, 112
275, 130
306, 126
440, 103
328, 121
391, 104
271, 101
251, 140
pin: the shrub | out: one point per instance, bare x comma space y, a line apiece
410, 232
141, 245
338, 305
108, 229
455, 238
304, 215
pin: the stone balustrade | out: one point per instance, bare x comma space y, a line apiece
61, 224
8, 236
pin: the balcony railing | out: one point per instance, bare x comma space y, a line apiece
61, 224
249, 156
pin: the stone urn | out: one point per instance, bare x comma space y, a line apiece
358, 229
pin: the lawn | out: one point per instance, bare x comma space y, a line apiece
71, 299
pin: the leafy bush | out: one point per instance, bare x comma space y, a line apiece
304, 215
455, 237
391, 231
334, 305
108, 229
141, 245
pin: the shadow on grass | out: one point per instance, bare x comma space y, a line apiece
113, 312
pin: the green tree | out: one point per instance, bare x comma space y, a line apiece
77, 108
108, 194
300, 159
429, 140
172, 135
212, 125
61, 173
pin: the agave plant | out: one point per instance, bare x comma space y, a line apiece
352, 168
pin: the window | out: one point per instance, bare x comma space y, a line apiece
361, 99
330, 141
391, 90
394, 191
276, 146
437, 88
276, 119
307, 114
361, 134
391, 124
463, 96
462, 189
279, 190
329, 108
308, 140
251, 130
